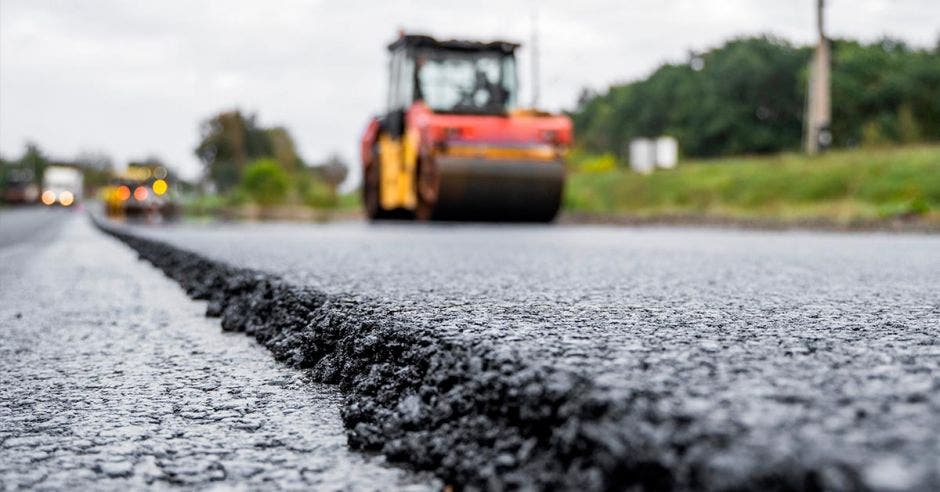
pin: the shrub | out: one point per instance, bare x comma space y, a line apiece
265, 182
315, 193
591, 163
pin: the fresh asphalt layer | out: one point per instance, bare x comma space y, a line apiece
112, 379
598, 357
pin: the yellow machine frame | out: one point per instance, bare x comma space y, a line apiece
399, 161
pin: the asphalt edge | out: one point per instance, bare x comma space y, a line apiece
894, 225
475, 416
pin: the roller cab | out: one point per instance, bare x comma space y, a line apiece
453, 145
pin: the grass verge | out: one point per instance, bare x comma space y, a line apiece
840, 187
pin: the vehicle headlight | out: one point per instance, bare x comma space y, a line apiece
48, 197
66, 198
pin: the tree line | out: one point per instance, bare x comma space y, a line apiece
244, 160
748, 96
97, 167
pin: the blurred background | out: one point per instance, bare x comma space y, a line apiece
255, 109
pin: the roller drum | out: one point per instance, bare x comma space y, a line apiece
497, 190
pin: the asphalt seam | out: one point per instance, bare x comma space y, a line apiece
473, 414
499, 416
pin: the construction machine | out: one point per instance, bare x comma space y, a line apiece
140, 192
453, 143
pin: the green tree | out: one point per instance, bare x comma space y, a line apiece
282, 148
884, 88
266, 182
748, 96
34, 160
228, 141
331, 172
908, 127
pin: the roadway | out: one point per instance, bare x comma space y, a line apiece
112, 379
492, 356
598, 357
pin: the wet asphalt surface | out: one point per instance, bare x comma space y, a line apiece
703, 358
113, 379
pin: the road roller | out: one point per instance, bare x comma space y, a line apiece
453, 143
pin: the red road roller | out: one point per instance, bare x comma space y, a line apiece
453, 143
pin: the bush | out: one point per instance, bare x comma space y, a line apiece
202, 204
592, 163
910, 208
315, 193
265, 182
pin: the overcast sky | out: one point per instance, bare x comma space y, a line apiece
135, 78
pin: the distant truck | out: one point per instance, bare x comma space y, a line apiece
19, 186
61, 186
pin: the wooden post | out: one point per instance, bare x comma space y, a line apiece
818, 108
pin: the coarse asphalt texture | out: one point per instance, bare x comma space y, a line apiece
112, 379
597, 358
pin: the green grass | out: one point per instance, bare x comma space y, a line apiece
843, 186
350, 201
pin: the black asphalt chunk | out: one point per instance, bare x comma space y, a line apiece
598, 358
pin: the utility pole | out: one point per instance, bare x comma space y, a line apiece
534, 50
818, 109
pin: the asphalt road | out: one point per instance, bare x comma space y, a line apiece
113, 379
601, 358
30, 224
